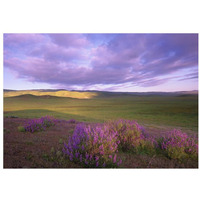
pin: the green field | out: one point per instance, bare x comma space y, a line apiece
168, 111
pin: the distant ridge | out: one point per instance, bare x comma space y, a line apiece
6, 90
27, 96
57, 93
88, 94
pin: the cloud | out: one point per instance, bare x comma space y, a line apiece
54, 53
69, 40
85, 60
22, 39
190, 76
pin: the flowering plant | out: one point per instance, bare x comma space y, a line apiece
39, 124
72, 121
93, 146
178, 145
129, 133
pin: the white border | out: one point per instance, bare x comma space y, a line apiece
92, 16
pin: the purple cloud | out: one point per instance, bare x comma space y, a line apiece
20, 40
69, 40
85, 60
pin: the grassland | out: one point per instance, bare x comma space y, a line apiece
60, 93
159, 111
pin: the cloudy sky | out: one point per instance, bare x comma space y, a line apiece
111, 62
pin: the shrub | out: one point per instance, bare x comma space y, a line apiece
72, 121
147, 146
39, 124
97, 145
129, 133
93, 146
60, 141
5, 130
178, 145
52, 150
21, 129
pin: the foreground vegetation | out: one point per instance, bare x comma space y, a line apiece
111, 144
98, 146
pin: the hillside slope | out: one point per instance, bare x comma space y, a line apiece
61, 93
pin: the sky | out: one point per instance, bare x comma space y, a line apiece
106, 62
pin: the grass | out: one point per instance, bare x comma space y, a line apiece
21, 129
72, 94
6, 131
170, 111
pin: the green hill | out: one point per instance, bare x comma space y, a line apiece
57, 93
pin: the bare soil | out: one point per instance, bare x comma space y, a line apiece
31, 150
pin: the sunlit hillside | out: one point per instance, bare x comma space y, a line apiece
61, 93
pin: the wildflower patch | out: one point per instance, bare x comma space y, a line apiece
40, 124
93, 146
178, 145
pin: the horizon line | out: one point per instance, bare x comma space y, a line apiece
106, 90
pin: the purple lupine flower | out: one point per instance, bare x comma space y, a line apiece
81, 158
71, 157
91, 140
97, 158
86, 162
83, 147
86, 156
114, 159
177, 141
101, 148
95, 139
72, 121
39, 124
76, 154
120, 161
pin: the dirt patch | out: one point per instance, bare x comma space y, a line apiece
25, 150
158, 131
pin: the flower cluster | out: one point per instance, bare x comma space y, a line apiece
93, 146
39, 124
179, 145
98, 145
72, 121
129, 133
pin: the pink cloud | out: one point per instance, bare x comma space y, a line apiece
22, 39
74, 60
53, 52
69, 40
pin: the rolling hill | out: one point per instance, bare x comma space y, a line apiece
91, 94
